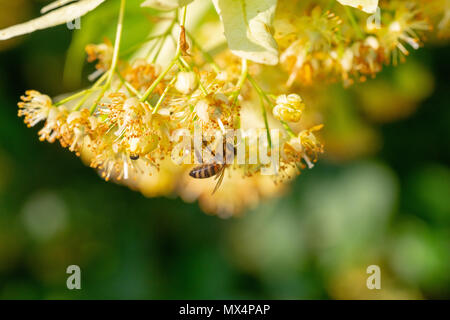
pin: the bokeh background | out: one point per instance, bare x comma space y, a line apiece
380, 195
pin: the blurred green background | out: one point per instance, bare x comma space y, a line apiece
388, 205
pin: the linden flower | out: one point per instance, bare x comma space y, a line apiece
130, 116
133, 125
305, 146
403, 28
143, 145
141, 74
310, 143
102, 52
211, 104
289, 108
212, 110
367, 56
361, 59
113, 161
111, 164
35, 107
76, 127
123, 124
51, 130
305, 42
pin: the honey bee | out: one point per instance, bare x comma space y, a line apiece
208, 171
212, 169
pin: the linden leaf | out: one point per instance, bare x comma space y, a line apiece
54, 18
247, 25
55, 4
165, 4
368, 6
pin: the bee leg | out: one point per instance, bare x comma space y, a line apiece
219, 182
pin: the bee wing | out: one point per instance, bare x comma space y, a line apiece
198, 155
220, 179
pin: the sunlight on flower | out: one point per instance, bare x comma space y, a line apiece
126, 123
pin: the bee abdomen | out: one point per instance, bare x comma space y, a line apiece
134, 156
205, 171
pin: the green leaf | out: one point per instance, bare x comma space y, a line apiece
248, 28
368, 6
165, 4
59, 16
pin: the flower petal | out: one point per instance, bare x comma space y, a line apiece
369, 6
248, 25
165, 4
54, 18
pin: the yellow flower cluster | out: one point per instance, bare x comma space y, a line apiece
128, 137
336, 44
129, 123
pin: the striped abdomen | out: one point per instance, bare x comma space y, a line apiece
206, 171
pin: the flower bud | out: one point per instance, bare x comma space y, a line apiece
143, 145
201, 109
133, 109
372, 42
289, 108
73, 117
186, 82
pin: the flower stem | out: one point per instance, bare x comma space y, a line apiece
241, 81
171, 64
159, 43
264, 95
94, 87
158, 46
163, 96
235, 95
353, 22
158, 80
266, 121
115, 58
72, 97
82, 93
117, 41
129, 86
141, 43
